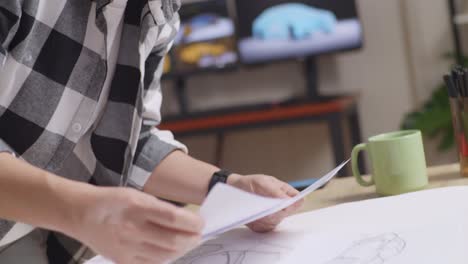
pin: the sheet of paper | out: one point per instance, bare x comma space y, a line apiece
98, 260
427, 227
242, 246
423, 227
226, 207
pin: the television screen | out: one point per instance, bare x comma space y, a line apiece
280, 29
205, 39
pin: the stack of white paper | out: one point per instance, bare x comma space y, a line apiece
226, 207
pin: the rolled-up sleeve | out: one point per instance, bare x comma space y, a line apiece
154, 144
10, 14
5, 225
2, 57
5, 148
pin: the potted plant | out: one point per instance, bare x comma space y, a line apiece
434, 118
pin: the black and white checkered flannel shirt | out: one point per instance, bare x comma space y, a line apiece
52, 70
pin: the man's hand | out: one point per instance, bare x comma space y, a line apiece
125, 225
266, 186
131, 227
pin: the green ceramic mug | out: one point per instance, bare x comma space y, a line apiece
398, 162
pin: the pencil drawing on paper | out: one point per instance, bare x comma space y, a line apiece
373, 250
220, 254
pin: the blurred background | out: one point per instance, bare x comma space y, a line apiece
287, 87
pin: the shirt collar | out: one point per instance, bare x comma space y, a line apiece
169, 7
100, 4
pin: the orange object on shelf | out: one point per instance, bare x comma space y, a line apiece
167, 64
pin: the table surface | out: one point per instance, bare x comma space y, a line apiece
344, 190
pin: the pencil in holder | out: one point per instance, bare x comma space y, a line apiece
457, 85
460, 127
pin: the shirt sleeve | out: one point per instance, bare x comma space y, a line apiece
10, 14
154, 144
5, 148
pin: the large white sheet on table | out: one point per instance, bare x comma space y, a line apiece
428, 227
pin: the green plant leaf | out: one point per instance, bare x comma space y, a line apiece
433, 119
447, 141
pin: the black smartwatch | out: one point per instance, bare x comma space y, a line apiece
219, 176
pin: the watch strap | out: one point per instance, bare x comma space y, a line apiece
219, 176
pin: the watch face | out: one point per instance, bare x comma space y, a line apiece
219, 176
223, 174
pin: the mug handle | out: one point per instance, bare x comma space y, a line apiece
354, 162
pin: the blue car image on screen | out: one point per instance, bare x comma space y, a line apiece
278, 29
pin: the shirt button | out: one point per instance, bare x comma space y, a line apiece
29, 58
77, 127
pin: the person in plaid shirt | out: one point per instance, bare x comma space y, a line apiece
80, 154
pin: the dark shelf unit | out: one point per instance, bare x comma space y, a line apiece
179, 80
336, 120
339, 122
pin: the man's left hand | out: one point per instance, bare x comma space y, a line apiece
270, 187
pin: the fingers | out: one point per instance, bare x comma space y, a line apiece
130, 227
261, 227
294, 207
291, 209
269, 223
298, 205
279, 189
156, 244
289, 190
142, 260
271, 187
156, 254
170, 216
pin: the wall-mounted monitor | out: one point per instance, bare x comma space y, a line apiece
279, 29
206, 38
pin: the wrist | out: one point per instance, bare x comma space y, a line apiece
77, 199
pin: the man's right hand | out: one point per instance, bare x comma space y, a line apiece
123, 224
132, 227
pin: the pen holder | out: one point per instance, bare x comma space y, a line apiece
459, 109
